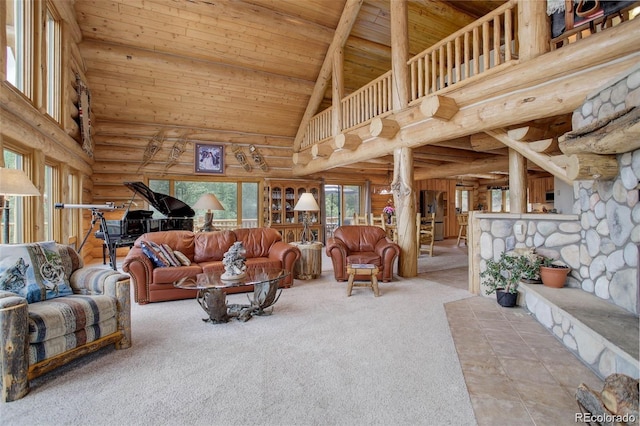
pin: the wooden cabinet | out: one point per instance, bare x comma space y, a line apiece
538, 189
280, 198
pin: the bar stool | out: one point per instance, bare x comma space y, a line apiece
463, 221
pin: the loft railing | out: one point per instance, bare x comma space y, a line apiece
476, 48
319, 128
371, 101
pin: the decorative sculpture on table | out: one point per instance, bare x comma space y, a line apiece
234, 262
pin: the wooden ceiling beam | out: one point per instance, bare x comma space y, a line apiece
348, 18
523, 148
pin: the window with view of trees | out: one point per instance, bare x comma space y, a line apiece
239, 199
19, 53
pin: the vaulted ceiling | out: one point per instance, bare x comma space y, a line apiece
242, 65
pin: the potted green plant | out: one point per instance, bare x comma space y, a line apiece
530, 266
502, 277
553, 273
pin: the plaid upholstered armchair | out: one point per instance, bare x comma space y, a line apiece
53, 310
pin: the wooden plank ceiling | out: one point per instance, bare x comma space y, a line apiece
246, 66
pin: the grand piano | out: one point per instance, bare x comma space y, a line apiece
124, 232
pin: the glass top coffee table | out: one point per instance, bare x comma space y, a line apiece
212, 297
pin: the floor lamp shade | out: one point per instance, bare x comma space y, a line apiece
13, 182
307, 203
208, 202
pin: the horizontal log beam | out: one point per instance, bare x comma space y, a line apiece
610, 136
486, 165
483, 142
522, 148
347, 141
592, 166
383, 128
440, 107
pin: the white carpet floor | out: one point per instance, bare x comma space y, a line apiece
321, 359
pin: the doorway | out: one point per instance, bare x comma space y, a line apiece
341, 202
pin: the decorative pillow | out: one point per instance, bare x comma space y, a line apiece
34, 271
149, 248
184, 260
168, 252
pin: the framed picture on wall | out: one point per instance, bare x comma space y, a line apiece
209, 158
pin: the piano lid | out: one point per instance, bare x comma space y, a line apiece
165, 204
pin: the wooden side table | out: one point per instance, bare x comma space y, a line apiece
363, 269
309, 266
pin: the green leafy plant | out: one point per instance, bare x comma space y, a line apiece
503, 274
530, 265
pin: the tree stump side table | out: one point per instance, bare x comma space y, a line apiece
363, 269
309, 266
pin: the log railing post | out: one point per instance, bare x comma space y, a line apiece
534, 33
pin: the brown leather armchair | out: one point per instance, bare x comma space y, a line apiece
362, 244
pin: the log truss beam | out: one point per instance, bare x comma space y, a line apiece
348, 18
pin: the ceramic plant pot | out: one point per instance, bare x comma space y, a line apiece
554, 276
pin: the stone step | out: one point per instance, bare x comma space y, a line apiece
604, 336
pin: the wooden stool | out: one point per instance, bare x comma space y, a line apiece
463, 221
363, 269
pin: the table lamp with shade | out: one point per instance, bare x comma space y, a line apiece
208, 202
13, 182
307, 203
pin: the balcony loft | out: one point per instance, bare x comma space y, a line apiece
473, 94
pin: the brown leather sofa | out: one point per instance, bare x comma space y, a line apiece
362, 244
264, 248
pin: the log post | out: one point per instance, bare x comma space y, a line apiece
534, 33
400, 53
517, 182
405, 201
337, 88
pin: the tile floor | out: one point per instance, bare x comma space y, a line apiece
517, 373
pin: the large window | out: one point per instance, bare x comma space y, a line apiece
239, 199
53, 49
341, 203
19, 65
13, 160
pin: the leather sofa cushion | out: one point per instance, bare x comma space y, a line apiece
173, 274
360, 238
257, 241
211, 246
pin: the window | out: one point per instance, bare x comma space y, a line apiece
499, 199
74, 216
19, 63
52, 29
341, 202
462, 200
234, 196
51, 194
13, 160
